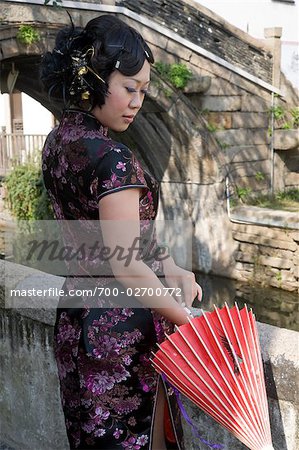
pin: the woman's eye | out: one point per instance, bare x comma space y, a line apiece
131, 90
145, 91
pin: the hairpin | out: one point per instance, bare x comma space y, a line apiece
146, 54
58, 51
117, 64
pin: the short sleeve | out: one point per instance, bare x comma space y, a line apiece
118, 169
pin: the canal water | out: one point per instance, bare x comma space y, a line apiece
270, 305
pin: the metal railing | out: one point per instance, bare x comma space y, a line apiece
16, 148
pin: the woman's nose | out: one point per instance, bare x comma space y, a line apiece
137, 100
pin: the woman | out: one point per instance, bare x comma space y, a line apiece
111, 396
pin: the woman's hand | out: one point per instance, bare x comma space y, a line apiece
182, 280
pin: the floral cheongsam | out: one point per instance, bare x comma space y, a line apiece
103, 350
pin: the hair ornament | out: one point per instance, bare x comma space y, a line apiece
56, 50
80, 68
117, 64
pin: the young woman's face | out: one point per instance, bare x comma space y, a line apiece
125, 98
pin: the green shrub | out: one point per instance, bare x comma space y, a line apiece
27, 34
177, 74
26, 195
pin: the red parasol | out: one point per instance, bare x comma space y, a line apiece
215, 360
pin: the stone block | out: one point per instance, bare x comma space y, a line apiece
291, 179
219, 120
209, 66
294, 235
149, 35
254, 103
221, 103
286, 139
250, 120
278, 263
267, 217
245, 153
197, 84
271, 233
178, 50
287, 275
249, 248
247, 86
231, 137
265, 241
249, 169
219, 86
258, 136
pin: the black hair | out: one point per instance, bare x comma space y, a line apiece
82, 60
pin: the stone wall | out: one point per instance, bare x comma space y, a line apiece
267, 253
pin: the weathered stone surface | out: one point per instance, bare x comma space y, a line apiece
286, 139
250, 120
254, 103
197, 85
151, 36
219, 120
264, 240
221, 103
239, 137
270, 232
178, 50
247, 152
266, 216
220, 86
263, 260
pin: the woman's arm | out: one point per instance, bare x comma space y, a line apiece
119, 215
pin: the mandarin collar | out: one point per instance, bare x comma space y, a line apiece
87, 118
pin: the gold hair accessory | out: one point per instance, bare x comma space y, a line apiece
85, 95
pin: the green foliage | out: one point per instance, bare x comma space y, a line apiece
243, 192
259, 176
222, 145
278, 276
284, 200
290, 194
27, 34
295, 116
286, 119
211, 127
278, 112
27, 196
177, 74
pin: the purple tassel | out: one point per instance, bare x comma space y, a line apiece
195, 431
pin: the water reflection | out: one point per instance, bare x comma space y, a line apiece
270, 305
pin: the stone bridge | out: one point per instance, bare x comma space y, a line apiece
192, 140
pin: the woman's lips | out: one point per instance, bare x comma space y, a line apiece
128, 119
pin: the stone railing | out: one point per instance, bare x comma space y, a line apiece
30, 406
202, 27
